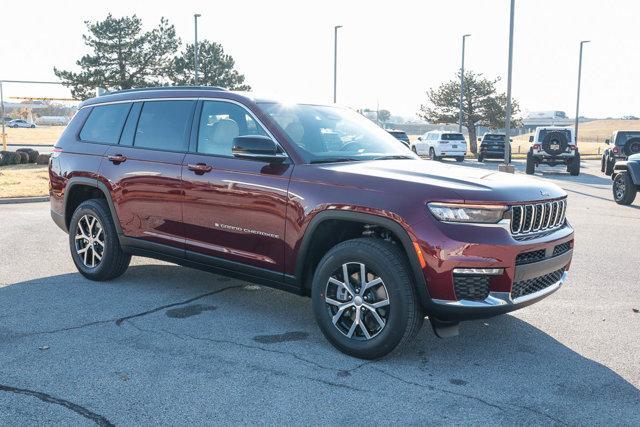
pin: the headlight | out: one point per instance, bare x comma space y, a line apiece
459, 212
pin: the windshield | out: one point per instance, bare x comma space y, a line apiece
452, 137
326, 134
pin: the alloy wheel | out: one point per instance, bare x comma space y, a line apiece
358, 301
89, 240
619, 187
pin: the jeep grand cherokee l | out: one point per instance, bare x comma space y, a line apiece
311, 199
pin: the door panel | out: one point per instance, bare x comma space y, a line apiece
144, 171
147, 193
234, 209
237, 210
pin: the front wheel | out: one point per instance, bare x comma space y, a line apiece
94, 244
364, 299
624, 190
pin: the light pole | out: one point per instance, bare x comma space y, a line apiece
461, 83
507, 126
575, 131
335, 61
195, 48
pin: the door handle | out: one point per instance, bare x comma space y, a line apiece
117, 158
199, 168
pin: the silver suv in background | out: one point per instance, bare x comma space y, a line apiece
553, 145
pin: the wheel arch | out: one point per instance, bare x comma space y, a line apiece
306, 258
79, 189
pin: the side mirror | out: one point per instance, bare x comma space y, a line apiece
606, 141
419, 138
531, 138
257, 147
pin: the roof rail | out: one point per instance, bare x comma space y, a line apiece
145, 89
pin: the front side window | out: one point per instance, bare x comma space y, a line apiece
104, 123
164, 125
330, 133
220, 123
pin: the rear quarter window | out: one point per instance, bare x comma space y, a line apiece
104, 123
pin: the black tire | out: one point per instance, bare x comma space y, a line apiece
531, 164
608, 166
480, 158
14, 158
43, 159
574, 166
114, 261
386, 261
624, 190
24, 157
432, 154
33, 154
4, 158
32, 126
603, 162
414, 149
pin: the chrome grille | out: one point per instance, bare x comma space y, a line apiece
537, 217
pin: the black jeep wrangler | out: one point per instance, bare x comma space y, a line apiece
626, 180
625, 143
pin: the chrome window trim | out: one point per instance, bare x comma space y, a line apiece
190, 98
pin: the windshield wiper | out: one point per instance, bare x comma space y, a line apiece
393, 157
335, 160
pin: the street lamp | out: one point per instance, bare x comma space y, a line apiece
335, 60
507, 126
195, 48
462, 83
575, 131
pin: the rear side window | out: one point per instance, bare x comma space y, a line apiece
105, 123
164, 125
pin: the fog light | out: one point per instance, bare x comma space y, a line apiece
485, 271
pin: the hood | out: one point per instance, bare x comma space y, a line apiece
427, 178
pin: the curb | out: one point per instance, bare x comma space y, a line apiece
15, 200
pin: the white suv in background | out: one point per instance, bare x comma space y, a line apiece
438, 144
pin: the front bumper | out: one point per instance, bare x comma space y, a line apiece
465, 246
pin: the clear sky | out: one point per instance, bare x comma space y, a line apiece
390, 52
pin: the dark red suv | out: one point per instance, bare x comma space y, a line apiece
312, 199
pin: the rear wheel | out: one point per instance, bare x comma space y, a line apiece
531, 165
480, 158
94, 244
574, 165
432, 154
624, 191
608, 166
364, 299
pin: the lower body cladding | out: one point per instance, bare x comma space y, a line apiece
494, 275
561, 159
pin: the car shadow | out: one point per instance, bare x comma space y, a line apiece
503, 363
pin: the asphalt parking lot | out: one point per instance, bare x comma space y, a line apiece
169, 345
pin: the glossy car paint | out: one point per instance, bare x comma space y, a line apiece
264, 211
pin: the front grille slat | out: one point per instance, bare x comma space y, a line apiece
536, 218
527, 287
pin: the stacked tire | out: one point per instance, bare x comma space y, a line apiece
20, 156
